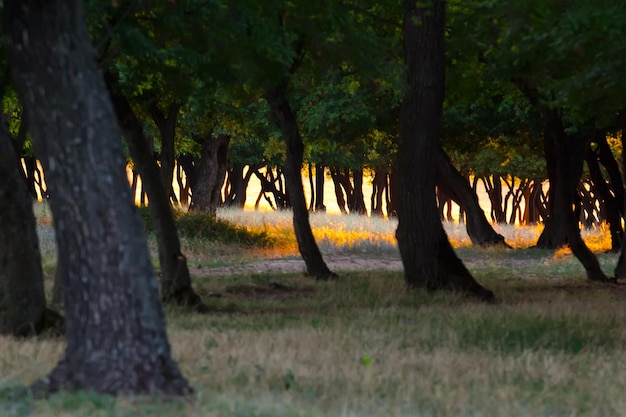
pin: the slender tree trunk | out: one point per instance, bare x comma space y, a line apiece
341, 201
211, 171
358, 205
167, 129
175, 279
320, 176
285, 119
478, 227
429, 260
620, 268
607, 199
115, 328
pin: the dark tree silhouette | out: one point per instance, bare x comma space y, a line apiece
115, 327
22, 299
283, 116
175, 279
428, 258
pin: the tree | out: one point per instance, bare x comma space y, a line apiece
115, 327
22, 299
175, 279
428, 258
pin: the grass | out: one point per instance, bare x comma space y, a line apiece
364, 346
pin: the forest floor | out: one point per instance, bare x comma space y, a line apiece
334, 262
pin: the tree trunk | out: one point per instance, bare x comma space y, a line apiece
379, 187
341, 201
285, 119
211, 172
320, 176
620, 268
115, 328
175, 279
429, 260
478, 227
567, 153
607, 199
22, 299
358, 205
167, 130
238, 182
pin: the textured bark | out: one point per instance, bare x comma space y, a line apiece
210, 171
285, 119
455, 185
115, 328
22, 300
428, 259
175, 279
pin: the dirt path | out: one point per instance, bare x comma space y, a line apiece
335, 263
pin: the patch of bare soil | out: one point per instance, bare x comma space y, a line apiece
335, 263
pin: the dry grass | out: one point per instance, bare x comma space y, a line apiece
364, 346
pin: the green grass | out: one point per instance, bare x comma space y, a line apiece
365, 346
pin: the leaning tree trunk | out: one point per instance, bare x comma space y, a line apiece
285, 119
454, 184
22, 299
211, 171
175, 279
611, 205
429, 260
115, 327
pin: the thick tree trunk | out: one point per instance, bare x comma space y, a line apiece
211, 172
455, 185
115, 328
175, 279
22, 299
238, 184
285, 119
567, 154
428, 259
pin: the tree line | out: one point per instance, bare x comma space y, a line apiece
423, 95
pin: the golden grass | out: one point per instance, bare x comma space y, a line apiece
375, 233
364, 346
